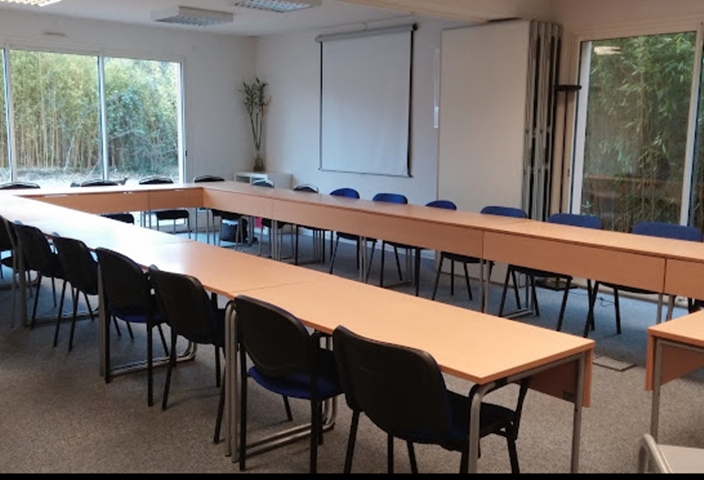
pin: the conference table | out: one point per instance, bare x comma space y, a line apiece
675, 348
501, 351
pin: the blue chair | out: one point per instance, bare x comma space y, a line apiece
348, 192
170, 214
399, 199
465, 260
655, 229
403, 392
285, 359
573, 219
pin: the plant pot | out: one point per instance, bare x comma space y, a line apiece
258, 163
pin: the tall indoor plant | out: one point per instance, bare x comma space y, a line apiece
255, 101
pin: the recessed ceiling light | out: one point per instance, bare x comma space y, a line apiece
191, 16
278, 6
38, 3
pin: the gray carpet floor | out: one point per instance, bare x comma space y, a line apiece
58, 415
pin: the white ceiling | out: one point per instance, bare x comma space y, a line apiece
332, 13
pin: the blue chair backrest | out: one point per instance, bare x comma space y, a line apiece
306, 188
449, 205
668, 230
263, 182
390, 197
345, 192
505, 211
576, 220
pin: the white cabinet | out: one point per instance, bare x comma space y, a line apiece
281, 180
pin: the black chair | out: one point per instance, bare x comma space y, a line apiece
533, 274
127, 295
212, 214
9, 245
40, 257
268, 223
401, 200
655, 229
286, 359
466, 260
124, 217
18, 185
81, 271
402, 391
348, 192
318, 233
171, 214
194, 315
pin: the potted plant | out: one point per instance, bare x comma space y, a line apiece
255, 101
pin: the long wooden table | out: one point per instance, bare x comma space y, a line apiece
559, 364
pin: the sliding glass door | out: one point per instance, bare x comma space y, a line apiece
633, 159
82, 117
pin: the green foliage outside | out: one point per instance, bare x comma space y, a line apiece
57, 118
637, 122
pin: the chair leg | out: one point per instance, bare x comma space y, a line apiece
503, 292
150, 366
36, 300
437, 277
617, 306
466, 279
73, 318
169, 369
416, 271
243, 409
534, 293
381, 272
351, 441
58, 315
287, 407
390, 453
334, 253
314, 434
589, 323
452, 278
561, 316
412, 457
398, 264
221, 409
512, 453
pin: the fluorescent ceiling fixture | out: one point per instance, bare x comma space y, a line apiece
191, 16
38, 3
607, 50
279, 6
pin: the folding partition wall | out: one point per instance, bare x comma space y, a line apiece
497, 109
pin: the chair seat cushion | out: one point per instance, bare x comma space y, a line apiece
171, 214
456, 257
137, 314
299, 385
538, 273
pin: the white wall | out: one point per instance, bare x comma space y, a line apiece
291, 66
218, 139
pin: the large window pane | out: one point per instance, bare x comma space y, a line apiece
696, 211
636, 128
55, 101
142, 100
5, 172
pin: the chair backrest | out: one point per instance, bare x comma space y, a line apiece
124, 217
504, 211
208, 178
390, 198
345, 192
37, 250
18, 185
7, 241
306, 187
125, 284
99, 182
155, 181
668, 230
186, 307
400, 389
276, 341
79, 265
263, 182
447, 204
576, 220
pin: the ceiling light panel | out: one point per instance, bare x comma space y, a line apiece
278, 6
38, 3
191, 16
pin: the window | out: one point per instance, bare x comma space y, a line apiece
80, 117
5, 173
633, 161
